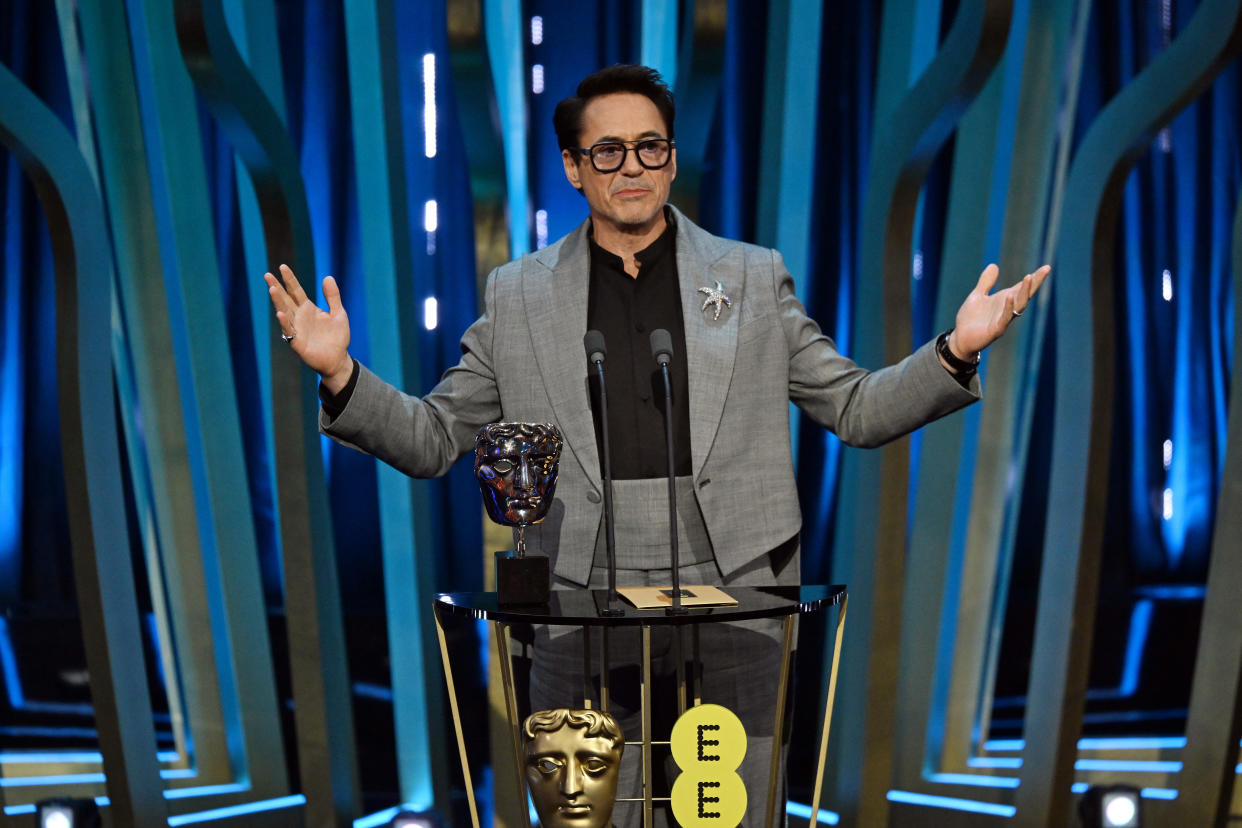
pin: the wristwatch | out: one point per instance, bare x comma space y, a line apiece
960, 366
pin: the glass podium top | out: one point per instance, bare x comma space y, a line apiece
586, 607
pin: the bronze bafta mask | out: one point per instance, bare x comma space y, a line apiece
515, 464
573, 759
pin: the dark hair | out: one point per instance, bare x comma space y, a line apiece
641, 80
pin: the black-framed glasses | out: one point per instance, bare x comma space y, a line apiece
609, 156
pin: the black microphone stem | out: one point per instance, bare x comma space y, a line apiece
672, 486
610, 539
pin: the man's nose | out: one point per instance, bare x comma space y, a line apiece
571, 780
630, 165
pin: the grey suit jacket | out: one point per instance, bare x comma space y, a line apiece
523, 361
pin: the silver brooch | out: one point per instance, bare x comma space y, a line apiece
716, 296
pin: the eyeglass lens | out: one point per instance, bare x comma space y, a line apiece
652, 154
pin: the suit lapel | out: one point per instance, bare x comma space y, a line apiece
555, 287
711, 344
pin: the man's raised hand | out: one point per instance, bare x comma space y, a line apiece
984, 316
320, 339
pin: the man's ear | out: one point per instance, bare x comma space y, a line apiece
570, 160
672, 162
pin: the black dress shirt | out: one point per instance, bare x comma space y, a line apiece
626, 310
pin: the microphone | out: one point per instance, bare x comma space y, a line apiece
662, 346
595, 348
593, 342
662, 350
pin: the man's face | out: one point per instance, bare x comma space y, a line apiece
630, 199
516, 470
572, 778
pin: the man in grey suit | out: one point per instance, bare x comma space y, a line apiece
744, 349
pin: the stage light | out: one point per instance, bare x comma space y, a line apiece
67, 813
412, 819
1111, 806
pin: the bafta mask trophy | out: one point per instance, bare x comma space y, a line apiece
515, 464
573, 758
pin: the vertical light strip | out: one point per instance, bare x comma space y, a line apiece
431, 313
541, 229
431, 222
659, 38
503, 22
385, 212
429, 105
791, 90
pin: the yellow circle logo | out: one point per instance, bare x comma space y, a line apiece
710, 737
718, 800
708, 744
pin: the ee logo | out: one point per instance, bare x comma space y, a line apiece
708, 744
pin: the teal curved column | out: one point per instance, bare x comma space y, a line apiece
502, 25
168, 192
1083, 307
1037, 137
1214, 720
93, 483
388, 271
321, 690
870, 543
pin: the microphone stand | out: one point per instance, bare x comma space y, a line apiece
595, 353
661, 344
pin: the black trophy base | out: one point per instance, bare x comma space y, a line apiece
521, 581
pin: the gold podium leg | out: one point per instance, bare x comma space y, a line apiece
506, 677
604, 670
461, 739
645, 703
586, 668
697, 665
779, 727
679, 654
832, 692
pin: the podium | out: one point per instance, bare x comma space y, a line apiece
585, 609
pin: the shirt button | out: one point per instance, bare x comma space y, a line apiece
640, 327
593, 496
644, 396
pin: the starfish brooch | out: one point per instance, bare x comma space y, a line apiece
715, 296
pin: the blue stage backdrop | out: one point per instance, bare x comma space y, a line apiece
477, 178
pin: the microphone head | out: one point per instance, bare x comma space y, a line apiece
662, 346
594, 344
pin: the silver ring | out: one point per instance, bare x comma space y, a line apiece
1016, 314
290, 337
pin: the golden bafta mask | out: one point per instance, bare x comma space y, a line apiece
573, 758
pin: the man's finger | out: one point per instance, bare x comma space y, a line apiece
1022, 294
280, 299
292, 285
1037, 278
987, 279
285, 321
332, 294
1010, 309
